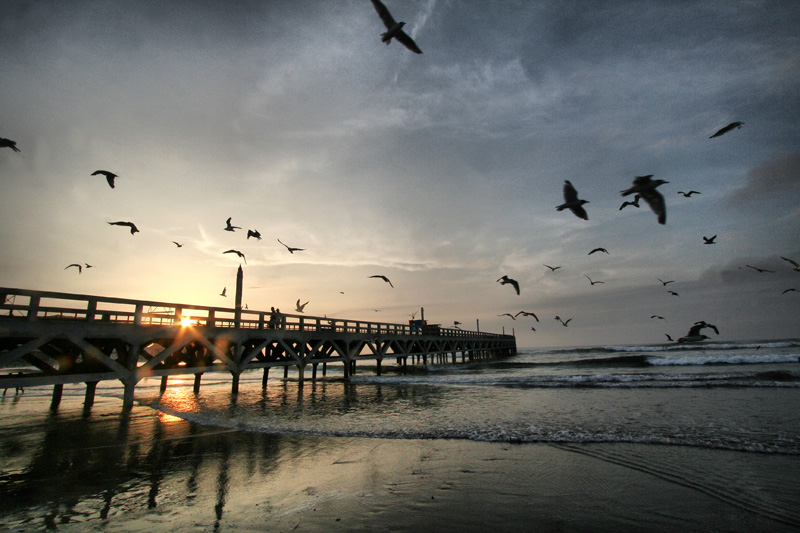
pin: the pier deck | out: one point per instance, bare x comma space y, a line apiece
53, 338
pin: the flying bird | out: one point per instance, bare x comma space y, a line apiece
703, 324
668, 337
646, 188
224, 290
513, 282
394, 29
760, 270
527, 313
109, 176
80, 269
572, 202
87, 265
291, 250
657, 316
709, 240
300, 307
565, 324
384, 278
634, 203
253, 233
726, 129
237, 252
179, 245
673, 293
8, 143
665, 283
552, 269
593, 282
131, 225
598, 250
228, 226
688, 194
793, 262
789, 290
508, 314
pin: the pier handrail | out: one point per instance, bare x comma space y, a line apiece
47, 305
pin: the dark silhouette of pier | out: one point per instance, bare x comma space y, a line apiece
53, 339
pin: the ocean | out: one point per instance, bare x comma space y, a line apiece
669, 437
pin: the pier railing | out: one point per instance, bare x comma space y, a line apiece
32, 305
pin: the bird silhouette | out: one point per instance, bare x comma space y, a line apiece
131, 225
229, 227
237, 252
572, 202
665, 283
179, 245
634, 203
291, 250
563, 323
673, 293
8, 143
300, 307
456, 323
553, 269
598, 250
703, 324
709, 240
668, 337
513, 282
695, 335
109, 176
657, 316
253, 233
528, 313
726, 129
508, 314
80, 269
760, 270
793, 262
790, 290
646, 188
87, 265
688, 194
224, 291
394, 29
593, 282
384, 278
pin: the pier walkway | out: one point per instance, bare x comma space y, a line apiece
53, 338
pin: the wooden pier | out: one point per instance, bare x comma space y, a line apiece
53, 339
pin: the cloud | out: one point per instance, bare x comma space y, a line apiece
777, 176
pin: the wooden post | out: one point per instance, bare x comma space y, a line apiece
235, 383
314, 371
58, 389
265, 378
91, 386
285, 371
197, 378
163, 388
379, 366
324, 369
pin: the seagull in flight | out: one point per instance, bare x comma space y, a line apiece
527, 313
668, 337
793, 262
109, 176
598, 250
394, 29
8, 143
593, 282
253, 233
131, 225
224, 290
709, 240
572, 202
514, 283
726, 129
565, 324
508, 314
790, 290
673, 293
760, 270
87, 265
665, 283
179, 245
384, 278
646, 188
553, 269
634, 203
228, 226
657, 316
291, 250
237, 252
80, 269
688, 194
300, 307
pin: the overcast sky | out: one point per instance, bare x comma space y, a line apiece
441, 171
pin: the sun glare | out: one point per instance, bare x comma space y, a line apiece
186, 321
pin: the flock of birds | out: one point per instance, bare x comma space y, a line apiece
643, 187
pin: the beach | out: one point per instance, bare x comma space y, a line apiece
468, 447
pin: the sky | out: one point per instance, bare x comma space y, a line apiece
440, 171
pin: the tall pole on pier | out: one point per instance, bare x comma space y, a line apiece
238, 303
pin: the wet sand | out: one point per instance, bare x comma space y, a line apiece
78, 470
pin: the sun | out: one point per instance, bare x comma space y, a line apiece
186, 321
